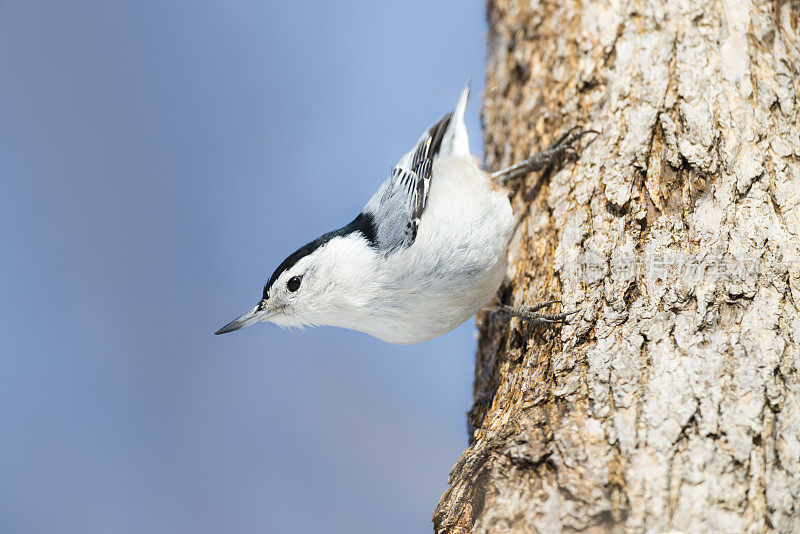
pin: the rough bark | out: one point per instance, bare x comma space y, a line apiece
673, 401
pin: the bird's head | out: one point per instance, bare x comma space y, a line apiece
321, 283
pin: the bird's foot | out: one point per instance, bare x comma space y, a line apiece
529, 315
556, 154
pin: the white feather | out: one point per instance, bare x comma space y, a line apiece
456, 140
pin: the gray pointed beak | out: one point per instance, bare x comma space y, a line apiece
251, 317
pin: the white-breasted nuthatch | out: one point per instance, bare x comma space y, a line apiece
427, 252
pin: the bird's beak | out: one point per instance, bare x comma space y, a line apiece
251, 317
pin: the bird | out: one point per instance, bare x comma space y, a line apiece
426, 253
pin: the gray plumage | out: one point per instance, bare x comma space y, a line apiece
398, 205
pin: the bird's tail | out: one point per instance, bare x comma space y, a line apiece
456, 141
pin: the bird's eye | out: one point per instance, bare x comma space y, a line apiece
293, 284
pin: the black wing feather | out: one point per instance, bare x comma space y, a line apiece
416, 176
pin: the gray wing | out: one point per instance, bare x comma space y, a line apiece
398, 205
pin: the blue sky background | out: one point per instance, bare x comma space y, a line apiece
158, 160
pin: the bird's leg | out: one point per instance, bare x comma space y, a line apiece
529, 315
555, 154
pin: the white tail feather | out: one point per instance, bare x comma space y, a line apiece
456, 140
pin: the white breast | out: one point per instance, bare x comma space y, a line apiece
456, 264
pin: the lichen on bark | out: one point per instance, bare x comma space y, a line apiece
672, 402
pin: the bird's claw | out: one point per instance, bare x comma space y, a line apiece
563, 148
572, 135
558, 152
528, 313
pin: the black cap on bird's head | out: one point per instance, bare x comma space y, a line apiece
267, 309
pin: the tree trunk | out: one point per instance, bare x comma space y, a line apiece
672, 401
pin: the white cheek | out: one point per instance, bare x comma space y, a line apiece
288, 302
287, 299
